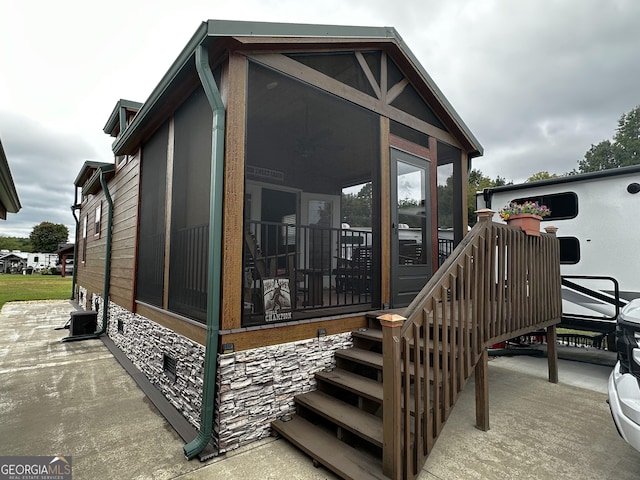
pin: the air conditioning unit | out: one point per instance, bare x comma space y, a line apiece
82, 325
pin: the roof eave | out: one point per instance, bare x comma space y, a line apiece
114, 118
476, 149
123, 143
211, 29
93, 184
87, 171
8, 194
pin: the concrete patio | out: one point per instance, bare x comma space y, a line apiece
75, 399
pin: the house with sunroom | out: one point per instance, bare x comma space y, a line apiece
280, 190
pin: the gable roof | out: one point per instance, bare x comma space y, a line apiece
89, 176
213, 31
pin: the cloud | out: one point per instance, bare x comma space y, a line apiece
43, 164
537, 82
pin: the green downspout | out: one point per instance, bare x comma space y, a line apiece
198, 444
107, 256
75, 207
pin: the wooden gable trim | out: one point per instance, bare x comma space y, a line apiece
296, 69
369, 74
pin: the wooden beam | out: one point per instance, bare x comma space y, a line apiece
482, 391
433, 192
309, 75
167, 216
275, 334
385, 212
396, 90
232, 272
368, 73
464, 169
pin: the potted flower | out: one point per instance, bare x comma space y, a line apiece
527, 216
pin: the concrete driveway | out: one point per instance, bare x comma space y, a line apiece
75, 399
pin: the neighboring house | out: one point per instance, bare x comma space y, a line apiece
9, 201
257, 211
12, 262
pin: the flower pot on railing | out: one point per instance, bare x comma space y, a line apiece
528, 222
527, 216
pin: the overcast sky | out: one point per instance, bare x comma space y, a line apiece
536, 81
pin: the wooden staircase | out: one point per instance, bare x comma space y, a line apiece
378, 416
339, 425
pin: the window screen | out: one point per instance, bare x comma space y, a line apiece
190, 207
151, 240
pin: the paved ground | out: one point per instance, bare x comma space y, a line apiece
75, 399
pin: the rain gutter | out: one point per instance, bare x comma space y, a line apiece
212, 92
107, 255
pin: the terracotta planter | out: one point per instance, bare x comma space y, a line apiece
528, 222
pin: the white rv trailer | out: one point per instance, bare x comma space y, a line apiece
598, 217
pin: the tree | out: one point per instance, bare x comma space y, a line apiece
15, 243
477, 183
544, 175
357, 208
622, 152
46, 237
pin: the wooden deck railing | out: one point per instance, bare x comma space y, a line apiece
498, 284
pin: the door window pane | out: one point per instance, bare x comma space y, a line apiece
411, 219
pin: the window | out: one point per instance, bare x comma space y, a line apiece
84, 238
98, 220
569, 250
563, 206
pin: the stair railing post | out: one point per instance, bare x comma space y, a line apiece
482, 367
552, 338
392, 396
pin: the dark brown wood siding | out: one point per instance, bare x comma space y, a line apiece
123, 189
125, 224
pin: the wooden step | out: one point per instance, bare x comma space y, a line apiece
375, 336
343, 415
326, 449
369, 359
363, 357
352, 382
371, 334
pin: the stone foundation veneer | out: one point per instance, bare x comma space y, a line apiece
254, 387
82, 297
257, 386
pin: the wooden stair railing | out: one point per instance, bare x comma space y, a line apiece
498, 284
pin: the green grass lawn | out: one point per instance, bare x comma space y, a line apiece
33, 287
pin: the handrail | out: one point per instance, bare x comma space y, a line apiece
615, 301
497, 284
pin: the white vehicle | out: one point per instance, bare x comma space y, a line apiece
624, 382
597, 237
